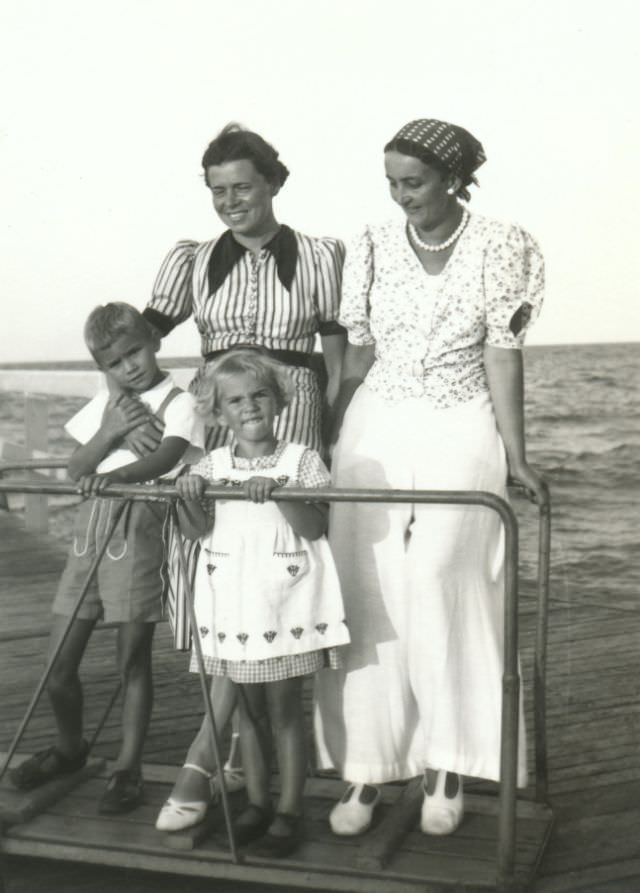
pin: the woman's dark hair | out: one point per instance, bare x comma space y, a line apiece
408, 147
234, 143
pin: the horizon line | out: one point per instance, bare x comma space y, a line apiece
196, 358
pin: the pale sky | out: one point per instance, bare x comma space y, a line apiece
108, 107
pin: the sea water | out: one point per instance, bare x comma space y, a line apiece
583, 434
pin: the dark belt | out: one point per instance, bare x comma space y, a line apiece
288, 357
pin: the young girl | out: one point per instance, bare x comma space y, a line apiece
267, 599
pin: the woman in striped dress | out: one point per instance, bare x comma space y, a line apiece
258, 284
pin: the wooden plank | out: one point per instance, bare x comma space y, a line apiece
622, 875
381, 842
136, 844
21, 806
593, 717
278, 877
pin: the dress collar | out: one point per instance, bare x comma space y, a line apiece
227, 252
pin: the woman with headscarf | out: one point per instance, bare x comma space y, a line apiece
259, 284
436, 307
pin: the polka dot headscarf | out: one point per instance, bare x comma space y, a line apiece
453, 146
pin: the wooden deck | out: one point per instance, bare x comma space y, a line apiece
593, 725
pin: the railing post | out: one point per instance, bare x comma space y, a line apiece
36, 418
510, 707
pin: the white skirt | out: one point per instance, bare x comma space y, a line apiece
423, 588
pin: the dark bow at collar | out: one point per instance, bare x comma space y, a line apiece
227, 252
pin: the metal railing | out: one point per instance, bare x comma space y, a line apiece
511, 675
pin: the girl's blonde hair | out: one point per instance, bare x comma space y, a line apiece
253, 360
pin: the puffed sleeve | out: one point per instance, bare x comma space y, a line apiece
513, 286
356, 285
329, 256
172, 297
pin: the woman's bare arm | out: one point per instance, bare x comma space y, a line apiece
506, 383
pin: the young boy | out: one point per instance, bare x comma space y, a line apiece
127, 588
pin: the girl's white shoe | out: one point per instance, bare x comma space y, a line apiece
351, 815
233, 775
441, 814
177, 815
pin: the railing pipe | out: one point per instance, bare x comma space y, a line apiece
206, 693
510, 704
540, 657
511, 678
293, 494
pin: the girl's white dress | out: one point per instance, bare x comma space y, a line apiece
261, 591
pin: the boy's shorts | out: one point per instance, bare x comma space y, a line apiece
128, 584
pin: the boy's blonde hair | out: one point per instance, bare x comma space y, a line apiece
251, 360
108, 322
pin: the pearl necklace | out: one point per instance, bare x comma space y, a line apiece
447, 243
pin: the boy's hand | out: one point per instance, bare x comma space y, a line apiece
122, 414
146, 438
259, 488
94, 484
190, 487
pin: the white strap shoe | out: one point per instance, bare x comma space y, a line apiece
351, 815
441, 814
177, 815
233, 775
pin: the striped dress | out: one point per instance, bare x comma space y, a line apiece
280, 299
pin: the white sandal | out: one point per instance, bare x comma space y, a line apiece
233, 775
233, 779
441, 814
177, 815
350, 815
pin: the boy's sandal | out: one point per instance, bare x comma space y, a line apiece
177, 815
46, 765
257, 820
352, 815
279, 846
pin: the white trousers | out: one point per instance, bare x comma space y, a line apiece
423, 591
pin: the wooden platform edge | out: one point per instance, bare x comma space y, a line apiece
242, 872
17, 806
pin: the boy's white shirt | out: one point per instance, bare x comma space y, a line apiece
180, 420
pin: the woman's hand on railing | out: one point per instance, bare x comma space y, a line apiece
531, 481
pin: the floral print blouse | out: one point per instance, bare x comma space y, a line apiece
429, 331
